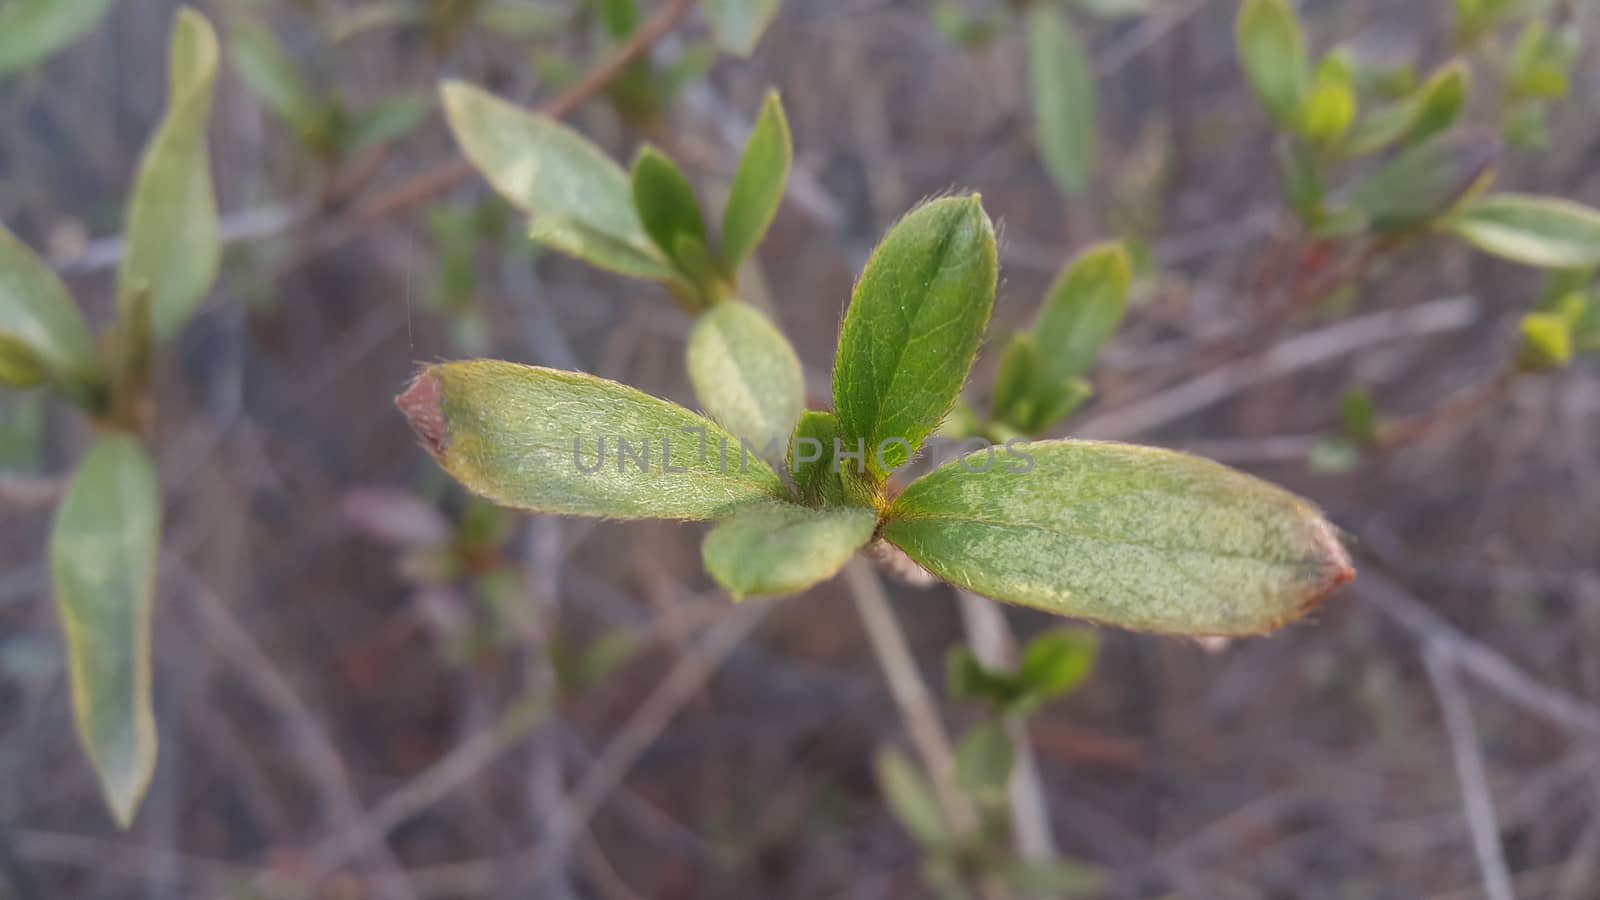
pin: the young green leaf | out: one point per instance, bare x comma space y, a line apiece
913, 328
968, 679
1055, 663
1439, 102
1424, 182
103, 563
1064, 105
599, 249
665, 200
739, 24
1014, 380
1329, 108
1272, 50
1081, 311
40, 324
769, 549
1547, 232
912, 799
1546, 342
32, 31
983, 760
564, 442
758, 184
387, 120
543, 167
171, 231
275, 80
1136, 537
1359, 416
746, 374
811, 460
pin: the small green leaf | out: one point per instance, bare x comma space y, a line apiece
32, 31
543, 167
739, 24
968, 679
171, 231
103, 563
1064, 105
1014, 380
1359, 416
1546, 342
388, 120
746, 374
1439, 102
1272, 50
983, 760
1055, 663
1135, 537
811, 460
577, 240
40, 323
769, 549
665, 200
912, 799
1546, 232
758, 184
1424, 182
913, 328
1329, 109
275, 80
1081, 311
563, 442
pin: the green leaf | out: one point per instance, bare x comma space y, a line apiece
171, 230
1546, 232
1439, 103
739, 24
912, 799
770, 549
1359, 416
275, 80
1014, 381
913, 328
968, 679
1055, 663
983, 760
543, 167
665, 200
31, 31
1424, 182
758, 184
40, 324
811, 460
103, 563
746, 374
389, 120
1064, 105
575, 239
1272, 50
1329, 109
1136, 537
1546, 342
531, 438
1081, 311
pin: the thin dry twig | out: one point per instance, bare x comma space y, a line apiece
1295, 354
1470, 771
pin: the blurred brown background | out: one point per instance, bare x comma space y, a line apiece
342, 708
